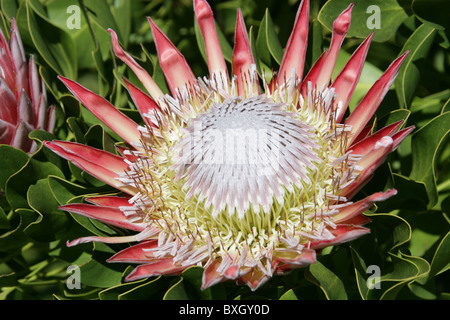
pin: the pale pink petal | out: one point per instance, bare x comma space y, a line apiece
367, 144
294, 54
8, 103
110, 201
210, 274
401, 135
142, 101
19, 61
369, 104
313, 74
108, 215
138, 253
6, 132
255, 278
345, 83
294, 258
174, 65
242, 56
103, 165
342, 233
143, 235
340, 28
148, 82
105, 112
352, 213
214, 55
160, 267
369, 163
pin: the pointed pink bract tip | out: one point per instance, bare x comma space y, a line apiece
342, 22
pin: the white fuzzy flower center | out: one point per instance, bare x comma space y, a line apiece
244, 153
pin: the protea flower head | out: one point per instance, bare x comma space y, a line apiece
23, 103
244, 178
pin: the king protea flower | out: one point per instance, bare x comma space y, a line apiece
246, 179
23, 98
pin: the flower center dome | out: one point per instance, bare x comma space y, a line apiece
245, 153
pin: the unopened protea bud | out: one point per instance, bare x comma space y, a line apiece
23, 99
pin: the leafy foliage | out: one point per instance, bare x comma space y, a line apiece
409, 240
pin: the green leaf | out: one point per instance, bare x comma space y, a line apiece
154, 288
100, 12
441, 259
18, 184
57, 47
177, 292
11, 161
4, 223
406, 270
408, 76
267, 44
53, 223
433, 12
426, 147
289, 295
14, 239
392, 231
65, 191
97, 272
331, 285
411, 194
391, 15
360, 269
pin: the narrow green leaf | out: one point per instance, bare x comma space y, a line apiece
408, 76
53, 223
57, 47
289, 295
426, 147
97, 272
11, 161
267, 43
331, 285
154, 288
177, 292
441, 259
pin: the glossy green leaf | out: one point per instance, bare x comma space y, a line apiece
441, 259
4, 223
14, 239
408, 76
329, 282
267, 44
289, 295
11, 161
426, 146
18, 184
57, 47
97, 272
153, 288
433, 12
381, 16
53, 223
